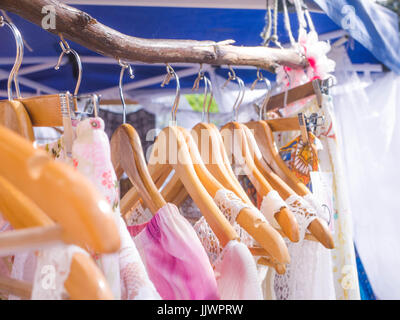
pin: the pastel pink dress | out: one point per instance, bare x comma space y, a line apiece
175, 259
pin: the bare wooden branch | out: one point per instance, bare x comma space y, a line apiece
81, 28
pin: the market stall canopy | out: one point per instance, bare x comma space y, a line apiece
375, 43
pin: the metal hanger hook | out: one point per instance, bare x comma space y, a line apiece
124, 66
261, 78
18, 58
171, 73
207, 90
200, 76
207, 81
231, 76
239, 99
242, 92
66, 49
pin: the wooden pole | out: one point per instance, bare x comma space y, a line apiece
83, 29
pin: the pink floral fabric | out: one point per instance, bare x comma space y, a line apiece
124, 270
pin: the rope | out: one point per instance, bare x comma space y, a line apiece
287, 23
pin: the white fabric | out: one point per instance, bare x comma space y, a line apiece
230, 205
368, 122
52, 269
23, 268
309, 274
303, 212
138, 215
236, 273
235, 268
312, 201
343, 255
271, 204
135, 283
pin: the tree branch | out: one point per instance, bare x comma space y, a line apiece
81, 28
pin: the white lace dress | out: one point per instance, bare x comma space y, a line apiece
309, 275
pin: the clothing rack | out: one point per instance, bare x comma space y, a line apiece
106, 41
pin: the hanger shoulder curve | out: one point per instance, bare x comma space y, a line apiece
127, 155
248, 218
35, 228
61, 192
14, 116
214, 158
171, 150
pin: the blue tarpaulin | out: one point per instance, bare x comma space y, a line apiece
373, 26
376, 36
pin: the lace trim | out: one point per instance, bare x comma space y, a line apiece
303, 212
230, 205
271, 204
138, 215
313, 201
52, 269
208, 239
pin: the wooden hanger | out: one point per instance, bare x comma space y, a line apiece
210, 145
236, 145
169, 139
60, 191
127, 155
19, 288
33, 189
266, 144
170, 150
55, 110
205, 136
292, 95
247, 218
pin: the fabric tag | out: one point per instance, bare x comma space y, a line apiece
322, 183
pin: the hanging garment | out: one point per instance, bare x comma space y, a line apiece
368, 132
301, 158
174, 257
343, 255
124, 270
234, 266
92, 157
143, 122
309, 274
250, 190
5, 262
52, 269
